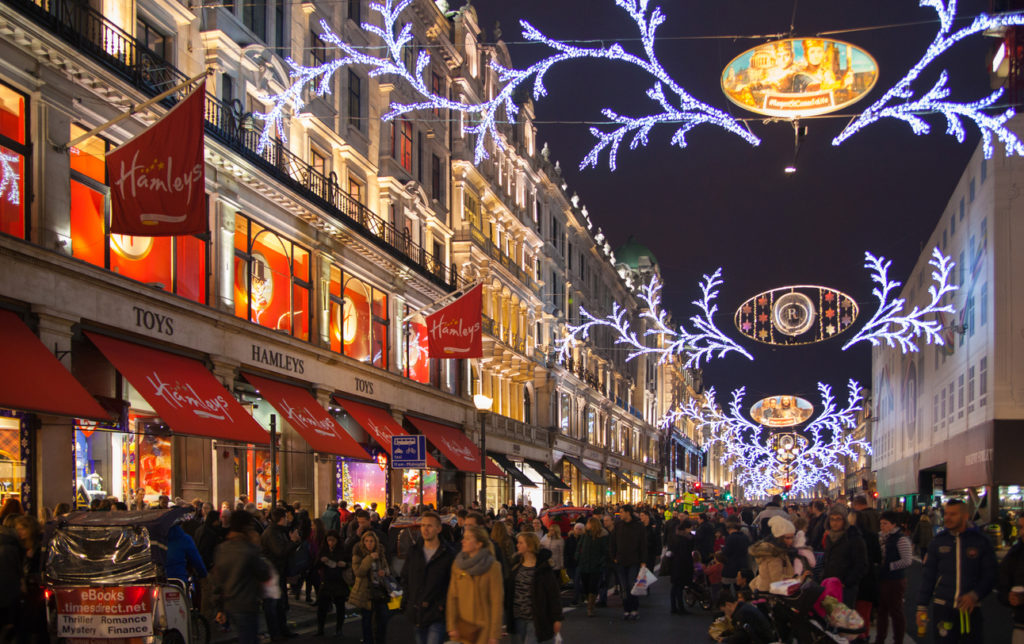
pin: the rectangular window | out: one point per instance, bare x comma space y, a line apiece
972, 190
401, 143
984, 169
355, 10
945, 239
436, 178
969, 318
227, 88
952, 225
935, 414
983, 381
356, 190
272, 279
318, 51
984, 304
470, 208
418, 363
359, 320
14, 143
943, 416
152, 39
970, 389
960, 397
984, 232
254, 16
174, 264
564, 413
355, 100
961, 209
951, 390
281, 46
419, 157
437, 87
318, 160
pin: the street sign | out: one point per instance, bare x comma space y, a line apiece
408, 452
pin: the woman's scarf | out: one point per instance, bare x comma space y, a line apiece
477, 564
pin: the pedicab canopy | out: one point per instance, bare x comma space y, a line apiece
109, 548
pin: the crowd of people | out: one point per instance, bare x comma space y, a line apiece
461, 574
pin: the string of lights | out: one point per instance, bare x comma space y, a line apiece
10, 179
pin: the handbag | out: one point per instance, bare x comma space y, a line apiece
565, 577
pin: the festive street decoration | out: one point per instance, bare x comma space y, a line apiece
889, 324
810, 458
675, 106
10, 180
900, 102
698, 346
781, 411
796, 315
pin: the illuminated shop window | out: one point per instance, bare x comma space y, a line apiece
401, 143
359, 319
14, 142
417, 359
272, 285
173, 264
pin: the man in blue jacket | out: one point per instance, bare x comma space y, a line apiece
959, 571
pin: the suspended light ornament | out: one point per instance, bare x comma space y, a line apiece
899, 102
811, 460
10, 189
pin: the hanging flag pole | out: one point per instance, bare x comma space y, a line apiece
451, 296
135, 109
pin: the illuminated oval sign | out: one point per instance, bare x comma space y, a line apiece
781, 411
794, 315
799, 77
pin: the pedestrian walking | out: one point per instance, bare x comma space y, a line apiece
629, 553
923, 534
679, 561
533, 605
279, 541
735, 549
476, 595
554, 543
897, 556
959, 572
370, 593
425, 580
846, 554
1010, 584
593, 554
334, 587
239, 573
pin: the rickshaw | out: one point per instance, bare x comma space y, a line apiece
104, 580
564, 517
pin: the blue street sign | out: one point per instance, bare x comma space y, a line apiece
408, 452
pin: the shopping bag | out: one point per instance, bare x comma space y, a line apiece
648, 576
272, 586
639, 588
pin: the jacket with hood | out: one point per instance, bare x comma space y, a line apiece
846, 559
593, 555
773, 564
546, 596
238, 576
956, 565
425, 583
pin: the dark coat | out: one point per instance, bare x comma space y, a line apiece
816, 532
425, 583
680, 562
750, 626
278, 547
705, 540
569, 556
1011, 573
846, 559
238, 575
208, 537
11, 558
653, 544
547, 600
629, 544
593, 555
333, 578
941, 579
736, 556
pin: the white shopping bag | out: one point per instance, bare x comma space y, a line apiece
648, 576
639, 588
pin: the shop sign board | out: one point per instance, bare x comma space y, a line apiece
120, 612
409, 452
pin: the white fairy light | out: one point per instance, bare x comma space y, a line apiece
889, 324
899, 102
10, 189
703, 344
682, 111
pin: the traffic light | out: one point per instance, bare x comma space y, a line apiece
696, 486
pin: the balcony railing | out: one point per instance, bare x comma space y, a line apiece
477, 237
93, 34
508, 428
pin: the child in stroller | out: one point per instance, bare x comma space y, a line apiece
813, 614
699, 590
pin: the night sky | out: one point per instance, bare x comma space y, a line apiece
721, 202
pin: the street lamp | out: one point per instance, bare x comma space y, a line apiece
483, 405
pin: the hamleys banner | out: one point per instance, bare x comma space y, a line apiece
158, 179
456, 331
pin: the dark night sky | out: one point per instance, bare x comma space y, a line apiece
721, 202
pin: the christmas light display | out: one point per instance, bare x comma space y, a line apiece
676, 106
700, 346
889, 324
899, 102
10, 179
759, 466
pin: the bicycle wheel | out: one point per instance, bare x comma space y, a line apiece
200, 628
689, 598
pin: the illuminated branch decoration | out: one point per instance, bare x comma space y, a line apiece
899, 102
756, 466
703, 344
681, 110
9, 189
889, 324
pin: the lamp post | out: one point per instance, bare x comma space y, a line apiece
483, 404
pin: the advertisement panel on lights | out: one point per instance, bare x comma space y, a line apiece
799, 77
781, 411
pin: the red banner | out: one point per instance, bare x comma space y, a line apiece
456, 331
158, 179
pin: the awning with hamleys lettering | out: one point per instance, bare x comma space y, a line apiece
182, 391
300, 410
455, 446
379, 424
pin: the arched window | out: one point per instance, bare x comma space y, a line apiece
359, 319
272, 285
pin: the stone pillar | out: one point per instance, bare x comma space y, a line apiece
223, 286
324, 484
52, 228
223, 470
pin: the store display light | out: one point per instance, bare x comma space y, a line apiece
10, 190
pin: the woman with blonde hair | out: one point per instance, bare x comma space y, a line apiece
370, 592
553, 541
533, 605
475, 594
593, 554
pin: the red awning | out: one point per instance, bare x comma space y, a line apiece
455, 446
34, 380
379, 424
181, 390
305, 414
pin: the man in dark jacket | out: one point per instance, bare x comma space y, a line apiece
846, 554
735, 550
629, 553
679, 562
331, 518
1011, 576
959, 572
704, 539
816, 526
750, 625
425, 578
279, 541
238, 576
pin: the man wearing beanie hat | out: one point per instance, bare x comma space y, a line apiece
846, 554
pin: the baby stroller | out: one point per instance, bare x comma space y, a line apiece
806, 613
699, 590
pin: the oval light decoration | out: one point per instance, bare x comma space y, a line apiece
781, 411
799, 77
795, 315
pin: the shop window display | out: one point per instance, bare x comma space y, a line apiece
118, 464
359, 319
14, 142
12, 459
361, 482
419, 486
272, 279
417, 354
173, 264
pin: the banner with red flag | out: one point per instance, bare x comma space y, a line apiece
158, 179
456, 331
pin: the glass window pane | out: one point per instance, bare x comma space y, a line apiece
356, 320
335, 326
380, 304
418, 358
271, 279
300, 263
300, 312
12, 215
88, 156
146, 259
191, 268
87, 224
380, 345
12, 114
241, 288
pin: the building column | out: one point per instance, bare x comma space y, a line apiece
223, 470
325, 487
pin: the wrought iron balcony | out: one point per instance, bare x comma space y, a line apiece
108, 44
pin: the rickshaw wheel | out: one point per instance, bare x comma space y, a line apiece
172, 637
200, 628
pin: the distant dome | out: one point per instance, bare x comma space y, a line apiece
631, 253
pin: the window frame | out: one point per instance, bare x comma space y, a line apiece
354, 114
25, 151
332, 299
